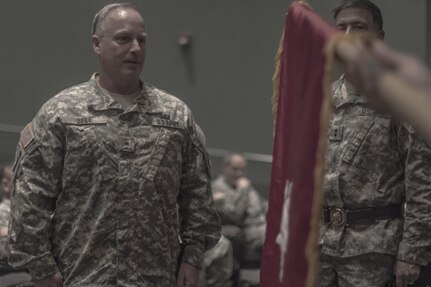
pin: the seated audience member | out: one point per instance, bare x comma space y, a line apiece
241, 209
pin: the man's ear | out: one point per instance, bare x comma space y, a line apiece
95, 41
381, 35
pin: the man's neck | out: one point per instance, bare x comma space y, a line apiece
126, 86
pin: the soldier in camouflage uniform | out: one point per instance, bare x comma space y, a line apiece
377, 193
9, 277
5, 187
101, 170
241, 209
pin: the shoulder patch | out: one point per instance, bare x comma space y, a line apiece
27, 136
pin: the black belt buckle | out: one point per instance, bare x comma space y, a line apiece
337, 216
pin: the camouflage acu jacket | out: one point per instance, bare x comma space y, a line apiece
241, 207
373, 161
96, 190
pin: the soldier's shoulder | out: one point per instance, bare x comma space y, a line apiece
70, 98
70, 95
164, 98
337, 84
219, 184
80, 92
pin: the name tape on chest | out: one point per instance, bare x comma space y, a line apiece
166, 123
366, 112
84, 121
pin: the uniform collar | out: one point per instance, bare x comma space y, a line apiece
103, 102
345, 93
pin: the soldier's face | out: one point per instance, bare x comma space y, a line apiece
235, 169
354, 20
6, 182
121, 43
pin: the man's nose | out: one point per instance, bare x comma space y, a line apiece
348, 30
135, 45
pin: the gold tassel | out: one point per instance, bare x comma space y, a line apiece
305, 3
276, 80
319, 168
276, 77
330, 52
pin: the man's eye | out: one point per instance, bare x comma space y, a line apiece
142, 41
341, 27
122, 39
359, 27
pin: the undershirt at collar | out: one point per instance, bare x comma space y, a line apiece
124, 100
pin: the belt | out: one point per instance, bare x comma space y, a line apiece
340, 216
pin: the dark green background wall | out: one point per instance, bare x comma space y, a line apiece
225, 78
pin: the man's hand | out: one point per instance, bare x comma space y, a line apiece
365, 69
217, 195
243, 183
406, 273
55, 280
188, 276
3, 231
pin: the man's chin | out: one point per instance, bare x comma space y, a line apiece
131, 72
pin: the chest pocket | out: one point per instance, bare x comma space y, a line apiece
167, 147
84, 135
356, 142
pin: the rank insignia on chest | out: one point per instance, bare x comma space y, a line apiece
336, 133
127, 145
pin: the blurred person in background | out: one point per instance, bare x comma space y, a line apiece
242, 211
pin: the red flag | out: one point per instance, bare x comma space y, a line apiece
297, 133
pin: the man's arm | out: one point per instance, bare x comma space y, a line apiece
416, 236
37, 183
410, 99
231, 205
199, 223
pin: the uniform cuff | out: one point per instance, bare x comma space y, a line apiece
192, 255
42, 267
413, 254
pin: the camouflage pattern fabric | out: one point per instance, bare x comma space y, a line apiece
243, 208
374, 161
218, 265
4, 220
4, 212
9, 277
96, 190
360, 271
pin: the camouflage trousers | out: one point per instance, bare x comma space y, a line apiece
360, 271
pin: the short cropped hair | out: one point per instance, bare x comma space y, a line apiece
374, 10
228, 157
104, 12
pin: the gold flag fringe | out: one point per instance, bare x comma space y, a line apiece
331, 50
276, 80
276, 77
319, 168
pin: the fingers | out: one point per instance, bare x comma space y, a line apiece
386, 56
180, 279
406, 273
